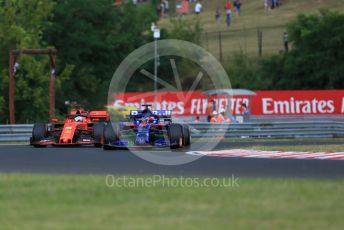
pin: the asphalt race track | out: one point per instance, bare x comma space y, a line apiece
90, 160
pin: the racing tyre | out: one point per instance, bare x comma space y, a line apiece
39, 132
175, 133
186, 135
110, 134
98, 130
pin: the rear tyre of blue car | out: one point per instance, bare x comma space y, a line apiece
175, 133
186, 135
98, 130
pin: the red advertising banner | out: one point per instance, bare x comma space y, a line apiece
301, 102
270, 103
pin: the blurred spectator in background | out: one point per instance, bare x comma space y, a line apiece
197, 119
243, 109
267, 6
228, 8
286, 41
245, 112
221, 117
167, 7
198, 8
162, 8
217, 16
210, 109
213, 118
275, 3
184, 7
158, 9
237, 6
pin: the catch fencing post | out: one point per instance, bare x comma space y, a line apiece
220, 46
260, 42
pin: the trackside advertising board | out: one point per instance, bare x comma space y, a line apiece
269, 103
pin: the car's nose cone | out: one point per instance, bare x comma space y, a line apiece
141, 139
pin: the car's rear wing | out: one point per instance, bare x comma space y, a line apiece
101, 115
158, 113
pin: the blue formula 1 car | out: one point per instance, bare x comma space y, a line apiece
147, 128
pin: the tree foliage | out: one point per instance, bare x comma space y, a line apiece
21, 26
185, 30
94, 37
242, 71
316, 60
179, 29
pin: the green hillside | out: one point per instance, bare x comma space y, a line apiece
242, 35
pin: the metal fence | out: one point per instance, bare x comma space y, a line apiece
291, 129
15, 133
255, 42
311, 129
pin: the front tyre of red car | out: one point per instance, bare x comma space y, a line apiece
175, 133
39, 132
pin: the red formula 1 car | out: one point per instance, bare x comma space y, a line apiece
79, 128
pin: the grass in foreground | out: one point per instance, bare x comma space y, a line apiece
29, 201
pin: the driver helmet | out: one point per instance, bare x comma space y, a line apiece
151, 119
78, 119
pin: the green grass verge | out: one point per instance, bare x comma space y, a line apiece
299, 144
302, 148
32, 201
268, 140
14, 143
